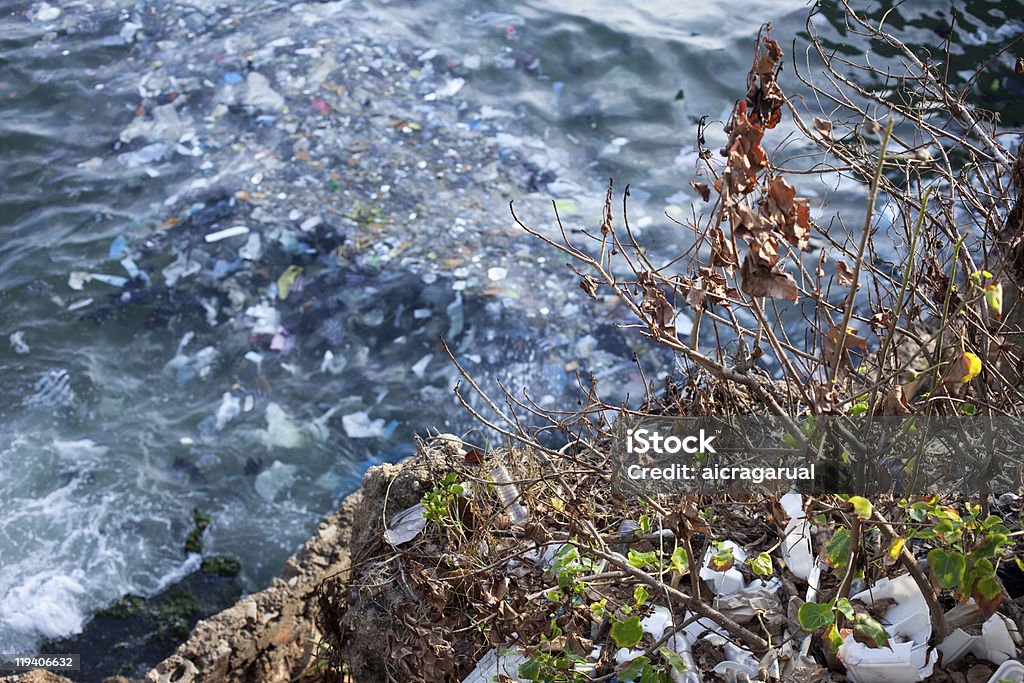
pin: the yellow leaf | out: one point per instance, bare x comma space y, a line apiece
963, 370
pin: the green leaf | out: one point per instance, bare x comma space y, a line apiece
640, 596
844, 607
762, 565
680, 560
838, 548
641, 560
530, 670
632, 670
948, 566
993, 544
813, 616
627, 633
674, 660
988, 587
869, 632
861, 506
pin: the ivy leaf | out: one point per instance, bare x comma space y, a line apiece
632, 670
674, 660
813, 616
838, 548
641, 560
530, 670
948, 566
640, 596
861, 506
627, 633
869, 632
680, 560
987, 595
844, 607
762, 565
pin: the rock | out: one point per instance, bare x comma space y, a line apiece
259, 94
269, 636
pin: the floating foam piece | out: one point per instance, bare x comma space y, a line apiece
233, 231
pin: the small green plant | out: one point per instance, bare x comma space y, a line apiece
439, 503
968, 548
548, 665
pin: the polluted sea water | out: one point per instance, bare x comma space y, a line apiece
293, 210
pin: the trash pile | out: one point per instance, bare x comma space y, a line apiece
476, 565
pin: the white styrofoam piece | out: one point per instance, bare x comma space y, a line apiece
495, 662
796, 543
909, 617
1010, 670
955, 646
900, 663
995, 644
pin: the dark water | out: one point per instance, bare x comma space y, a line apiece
109, 432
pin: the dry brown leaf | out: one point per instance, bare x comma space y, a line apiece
837, 342
823, 126
872, 127
656, 306
758, 280
844, 273
744, 154
789, 214
723, 254
895, 402
764, 96
702, 189
1020, 65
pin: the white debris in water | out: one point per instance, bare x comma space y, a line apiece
310, 223
421, 365
497, 273
273, 480
332, 364
259, 94
281, 429
233, 231
47, 12
360, 426
253, 248
228, 410
52, 390
18, 343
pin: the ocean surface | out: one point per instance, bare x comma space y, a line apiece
149, 370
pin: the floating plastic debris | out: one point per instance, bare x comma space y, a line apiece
47, 12
52, 390
233, 231
229, 409
360, 426
281, 429
286, 280
275, 479
118, 248
497, 273
260, 95
18, 343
